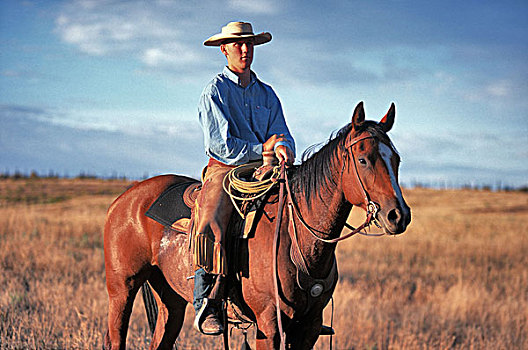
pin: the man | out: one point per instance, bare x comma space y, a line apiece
241, 118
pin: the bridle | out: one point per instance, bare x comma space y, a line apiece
372, 208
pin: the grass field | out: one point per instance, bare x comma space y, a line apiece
457, 279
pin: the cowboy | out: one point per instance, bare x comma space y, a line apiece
241, 118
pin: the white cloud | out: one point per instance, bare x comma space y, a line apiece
130, 122
100, 33
169, 55
495, 90
29, 75
86, 37
106, 27
499, 89
181, 124
157, 35
255, 6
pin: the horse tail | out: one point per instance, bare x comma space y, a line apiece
151, 307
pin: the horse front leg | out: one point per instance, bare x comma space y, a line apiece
303, 334
268, 336
300, 335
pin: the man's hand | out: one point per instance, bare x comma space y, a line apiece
270, 144
284, 154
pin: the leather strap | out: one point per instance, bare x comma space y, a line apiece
276, 240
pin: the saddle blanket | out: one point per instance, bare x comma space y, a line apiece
173, 208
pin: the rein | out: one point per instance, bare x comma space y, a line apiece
275, 253
372, 208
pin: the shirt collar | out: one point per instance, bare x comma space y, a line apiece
235, 79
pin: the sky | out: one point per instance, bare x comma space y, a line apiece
110, 87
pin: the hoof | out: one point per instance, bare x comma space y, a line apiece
326, 330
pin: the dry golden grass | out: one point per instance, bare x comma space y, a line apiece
456, 279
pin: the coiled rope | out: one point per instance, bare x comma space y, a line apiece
238, 188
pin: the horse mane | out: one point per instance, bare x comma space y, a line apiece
316, 174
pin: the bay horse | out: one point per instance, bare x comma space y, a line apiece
358, 166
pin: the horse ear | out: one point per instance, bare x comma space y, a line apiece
388, 120
359, 115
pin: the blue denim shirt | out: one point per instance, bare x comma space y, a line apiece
236, 121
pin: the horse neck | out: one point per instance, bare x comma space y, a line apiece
325, 212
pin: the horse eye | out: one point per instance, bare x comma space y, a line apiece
362, 161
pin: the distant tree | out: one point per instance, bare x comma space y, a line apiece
52, 175
17, 175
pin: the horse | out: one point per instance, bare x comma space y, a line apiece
288, 277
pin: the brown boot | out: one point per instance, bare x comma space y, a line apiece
207, 320
211, 325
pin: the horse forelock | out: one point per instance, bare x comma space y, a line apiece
375, 130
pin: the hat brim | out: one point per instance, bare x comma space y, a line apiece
218, 39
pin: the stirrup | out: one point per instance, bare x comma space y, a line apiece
200, 317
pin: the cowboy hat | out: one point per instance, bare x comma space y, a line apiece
237, 30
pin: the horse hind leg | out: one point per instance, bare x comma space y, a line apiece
121, 299
171, 313
168, 326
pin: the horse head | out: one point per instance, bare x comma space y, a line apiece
370, 171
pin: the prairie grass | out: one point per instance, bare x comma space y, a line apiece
457, 279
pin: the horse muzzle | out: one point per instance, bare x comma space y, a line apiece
395, 220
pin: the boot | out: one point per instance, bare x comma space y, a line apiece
207, 320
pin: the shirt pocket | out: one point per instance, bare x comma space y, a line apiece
261, 118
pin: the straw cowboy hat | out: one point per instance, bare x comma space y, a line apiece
237, 30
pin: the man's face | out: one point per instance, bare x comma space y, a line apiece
239, 54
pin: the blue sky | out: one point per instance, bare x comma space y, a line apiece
111, 87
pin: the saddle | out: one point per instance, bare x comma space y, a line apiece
175, 207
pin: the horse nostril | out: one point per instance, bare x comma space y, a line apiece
394, 216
